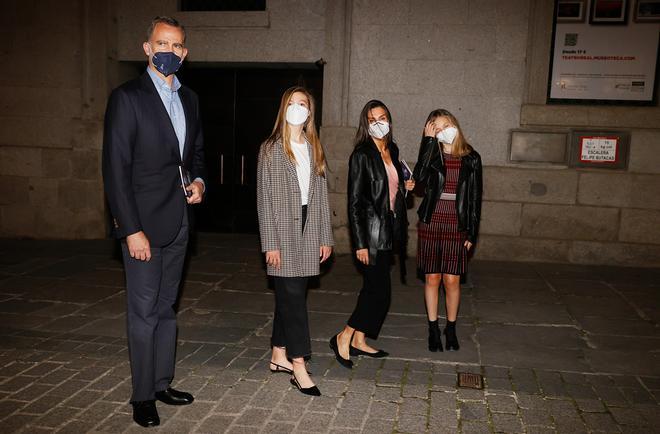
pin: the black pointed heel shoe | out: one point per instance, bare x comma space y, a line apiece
346, 363
435, 343
358, 352
280, 368
451, 339
311, 391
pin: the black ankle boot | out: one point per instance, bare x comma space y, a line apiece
450, 334
435, 343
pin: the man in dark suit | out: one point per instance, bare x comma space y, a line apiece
152, 132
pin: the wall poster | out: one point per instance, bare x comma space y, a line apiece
605, 58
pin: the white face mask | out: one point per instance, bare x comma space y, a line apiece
296, 114
379, 129
447, 135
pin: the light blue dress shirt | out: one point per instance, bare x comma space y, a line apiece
174, 107
172, 102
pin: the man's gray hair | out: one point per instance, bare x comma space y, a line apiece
165, 20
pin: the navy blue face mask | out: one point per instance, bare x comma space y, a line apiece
166, 62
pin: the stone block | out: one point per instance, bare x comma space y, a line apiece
337, 176
56, 163
493, 247
42, 191
510, 39
86, 164
632, 255
525, 185
77, 194
41, 101
409, 42
17, 220
338, 210
434, 12
338, 142
644, 156
538, 146
342, 240
480, 75
640, 226
619, 190
533, 114
380, 13
569, 222
500, 218
20, 161
14, 190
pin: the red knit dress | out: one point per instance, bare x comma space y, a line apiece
440, 246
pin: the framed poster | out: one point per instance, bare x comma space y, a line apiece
647, 11
571, 11
608, 12
594, 63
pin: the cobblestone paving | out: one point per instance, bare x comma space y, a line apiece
566, 349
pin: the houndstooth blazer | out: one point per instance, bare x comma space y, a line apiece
280, 213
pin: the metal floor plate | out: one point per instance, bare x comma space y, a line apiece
470, 380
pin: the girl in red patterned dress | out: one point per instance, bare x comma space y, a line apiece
448, 217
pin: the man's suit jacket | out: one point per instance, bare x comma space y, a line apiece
141, 158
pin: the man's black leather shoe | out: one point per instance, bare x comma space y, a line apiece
145, 413
174, 397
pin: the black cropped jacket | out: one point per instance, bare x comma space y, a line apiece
431, 170
369, 200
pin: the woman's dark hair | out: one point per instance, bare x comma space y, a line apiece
363, 127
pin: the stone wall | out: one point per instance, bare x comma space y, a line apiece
50, 124
486, 61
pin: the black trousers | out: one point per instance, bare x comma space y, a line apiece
375, 295
151, 292
291, 325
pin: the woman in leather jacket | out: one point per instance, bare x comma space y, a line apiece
377, 215
448, 217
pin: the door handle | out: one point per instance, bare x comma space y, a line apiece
222, 169
242, 169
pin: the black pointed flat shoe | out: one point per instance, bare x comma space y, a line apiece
311, 391
358, 352
346, 363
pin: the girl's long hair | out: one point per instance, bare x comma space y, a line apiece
461, 146
362, 134
282, 131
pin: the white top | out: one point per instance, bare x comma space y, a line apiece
301, 152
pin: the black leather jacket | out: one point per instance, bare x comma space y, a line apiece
369, 200
430, 169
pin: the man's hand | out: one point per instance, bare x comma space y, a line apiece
273, 258
325, 253
467, 244
197, 189
363, 256
138, 246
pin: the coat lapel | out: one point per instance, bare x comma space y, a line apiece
163, 117
312, 174
188, 113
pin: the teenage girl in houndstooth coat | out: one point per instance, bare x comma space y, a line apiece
294, 223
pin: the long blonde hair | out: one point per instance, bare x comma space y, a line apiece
461, 146
282, 131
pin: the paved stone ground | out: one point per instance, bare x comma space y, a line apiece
562, 348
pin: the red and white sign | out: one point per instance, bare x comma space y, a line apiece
599, 149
